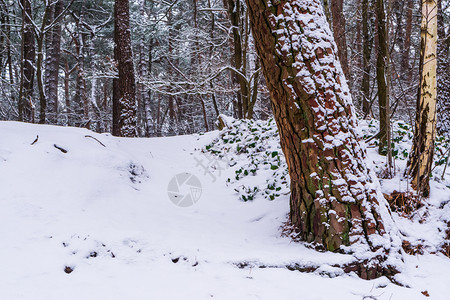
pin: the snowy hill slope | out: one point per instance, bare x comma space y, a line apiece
96, 222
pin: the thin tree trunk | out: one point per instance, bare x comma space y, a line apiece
234, 11
142, 69
40, 38
405, 68
337, 11
28, 56
9, 58
211, 48
171, 99
326, 8
367, 51
149, 124
3, 31
382, 73
421, 158
53, 51
443, 77
66, 93
333, 202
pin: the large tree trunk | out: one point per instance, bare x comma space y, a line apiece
26, 106
125, 98
333, 201
421, 157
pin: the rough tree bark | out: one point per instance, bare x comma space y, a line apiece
334, 204
421, 155
125, 98
26, 106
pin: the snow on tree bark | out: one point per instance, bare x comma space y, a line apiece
421, 156
334, 200
125, 97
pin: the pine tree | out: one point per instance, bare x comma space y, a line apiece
333, 202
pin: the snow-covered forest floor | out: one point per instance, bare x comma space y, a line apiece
88, 216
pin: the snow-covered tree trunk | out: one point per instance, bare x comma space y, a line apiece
125, 98
421, 157
334, 203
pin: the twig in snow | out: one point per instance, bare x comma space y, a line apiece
60, 148
35, 141
90, 136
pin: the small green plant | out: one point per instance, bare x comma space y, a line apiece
254, 149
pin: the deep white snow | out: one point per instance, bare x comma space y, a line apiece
104, 211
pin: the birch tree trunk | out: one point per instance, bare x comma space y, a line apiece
333, 202
421, 157
125, 97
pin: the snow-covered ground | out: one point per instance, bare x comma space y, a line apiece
102, 211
